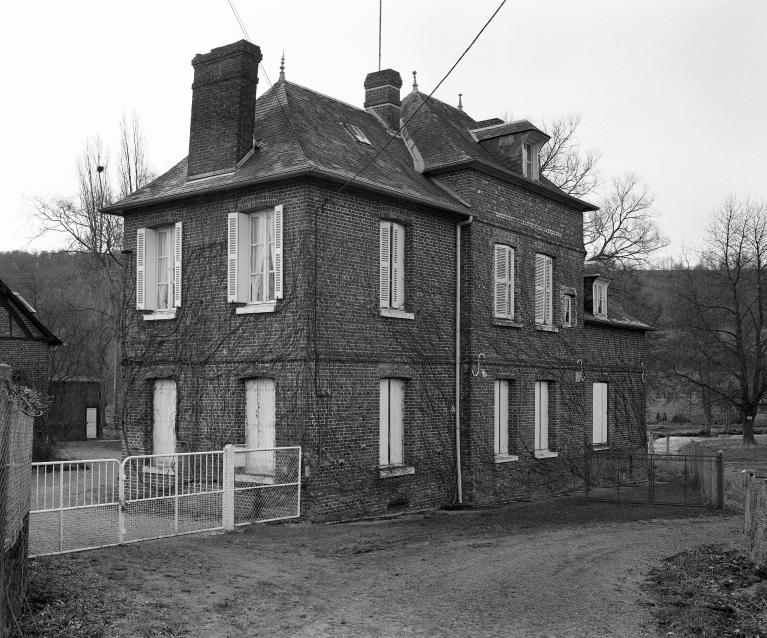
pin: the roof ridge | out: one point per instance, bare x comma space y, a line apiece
329, 97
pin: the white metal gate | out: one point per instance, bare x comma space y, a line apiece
86, 504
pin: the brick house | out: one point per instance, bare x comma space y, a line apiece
295, 284
25, 342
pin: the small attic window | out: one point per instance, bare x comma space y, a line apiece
357, 134
530, 160
600, 299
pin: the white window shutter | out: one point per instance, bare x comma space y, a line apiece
541, 415
549, 290
278, 225
510, 282
383, 429
502, 417
396, 425
177, 244
384, 265
398, 266
150, 268
141, 268
540, 289
237, 257
500, 287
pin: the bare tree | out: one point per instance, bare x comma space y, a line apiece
623, 231
564, 163
133, 169
724, 311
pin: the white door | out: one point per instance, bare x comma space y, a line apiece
91, 431
259, 430
164, 428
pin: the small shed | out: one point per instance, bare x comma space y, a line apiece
78, 409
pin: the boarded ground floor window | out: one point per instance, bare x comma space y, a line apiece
260, 426
501, 418
599, 414
542, 415
164, 423
392, 406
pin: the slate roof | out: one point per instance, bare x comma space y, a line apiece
25, 317
518, 126
313, 142
617, 317
302, 132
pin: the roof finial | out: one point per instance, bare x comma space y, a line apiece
415, 82
460, 102
282, 67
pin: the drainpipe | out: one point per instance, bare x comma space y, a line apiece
459, 477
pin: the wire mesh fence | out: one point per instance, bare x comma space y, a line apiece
96, 503
663, 479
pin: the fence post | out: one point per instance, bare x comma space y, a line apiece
121, 503
651, 479
228, 497
586, 472
748, 485
719, 479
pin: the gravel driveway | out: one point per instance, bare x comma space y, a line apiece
561, 567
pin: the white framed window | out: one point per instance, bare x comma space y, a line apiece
530, 160
568, 310
391, 427
158, 268
260, 431
164, 421
600, 299
543, 287
542, 392
599, 412
391, 267
503, 282
254, 259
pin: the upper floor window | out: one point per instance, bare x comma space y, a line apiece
600, 299
392, 265
158, 268
543, 286
568, 310
254, 259
530, 160
503, 284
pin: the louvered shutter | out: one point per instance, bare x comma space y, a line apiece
541, 415
540, 289
278, 251
384, 265
237, 257
177, 243
396, 421
502, 417
599, 412
398, 266
549, 291
500, 287
510, 282
141, 268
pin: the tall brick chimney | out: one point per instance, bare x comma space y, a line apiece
382, 96
223, 107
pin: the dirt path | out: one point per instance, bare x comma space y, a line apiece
554, 568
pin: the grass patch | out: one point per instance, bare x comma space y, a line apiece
710, 591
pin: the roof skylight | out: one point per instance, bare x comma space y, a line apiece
357, 134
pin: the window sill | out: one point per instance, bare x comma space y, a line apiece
395, 313
388, 471
546, 328
254, 479
505, 458
545, 454
506, 323
157, 469
253, 308
598, 447
160, 315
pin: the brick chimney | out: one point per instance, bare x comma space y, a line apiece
382, 96
223, 107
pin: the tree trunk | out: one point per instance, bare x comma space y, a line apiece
749, 416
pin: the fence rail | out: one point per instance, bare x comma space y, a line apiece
97, 503
663, 479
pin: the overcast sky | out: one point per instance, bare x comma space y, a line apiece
673, 91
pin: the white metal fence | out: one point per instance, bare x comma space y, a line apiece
96, 503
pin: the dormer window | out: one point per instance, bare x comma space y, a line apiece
530, 160
600, 299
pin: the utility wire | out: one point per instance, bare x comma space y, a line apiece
420, 106
237, 16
